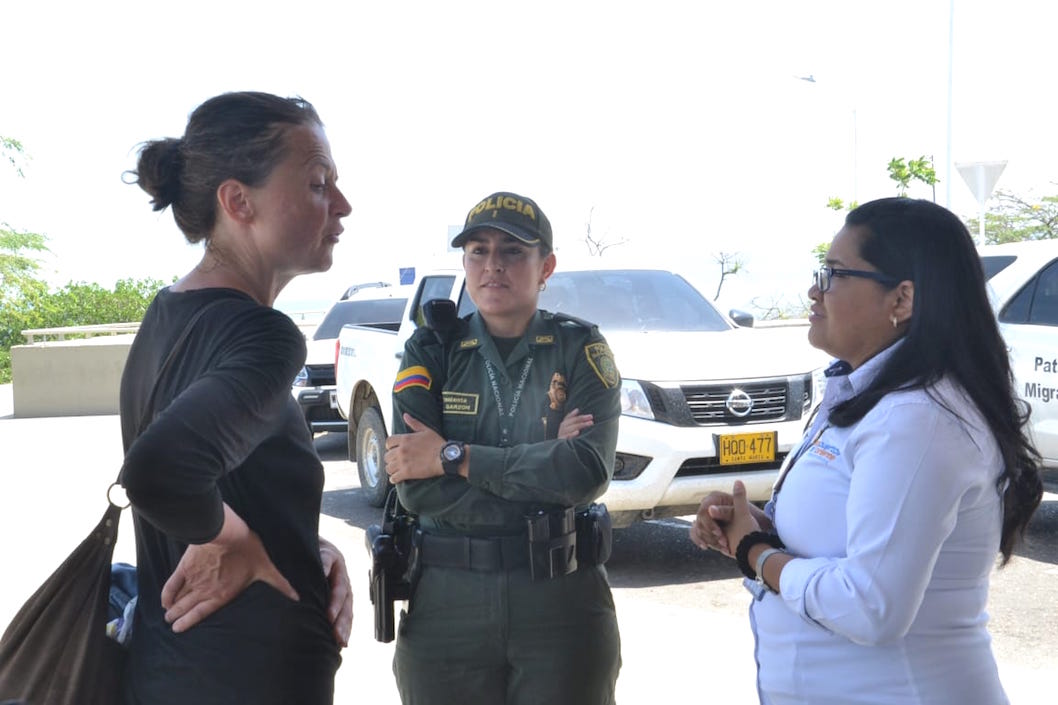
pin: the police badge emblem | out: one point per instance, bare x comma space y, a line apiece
601, 360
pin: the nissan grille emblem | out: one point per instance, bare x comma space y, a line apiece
739, 403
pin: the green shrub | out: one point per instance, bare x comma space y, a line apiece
75, 304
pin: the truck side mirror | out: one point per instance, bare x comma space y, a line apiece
741, 318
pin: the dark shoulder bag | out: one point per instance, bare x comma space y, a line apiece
56, 650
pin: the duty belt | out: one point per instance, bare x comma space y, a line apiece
474, 553
553, 545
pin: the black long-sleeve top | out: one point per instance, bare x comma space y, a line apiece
223, 427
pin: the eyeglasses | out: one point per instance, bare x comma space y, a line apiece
825, 275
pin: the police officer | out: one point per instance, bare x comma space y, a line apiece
503, 611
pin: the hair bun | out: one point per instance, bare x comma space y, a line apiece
159, 169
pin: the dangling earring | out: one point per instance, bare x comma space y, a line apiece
893, 319
543, 286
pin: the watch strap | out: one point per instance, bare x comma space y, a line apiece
765, 555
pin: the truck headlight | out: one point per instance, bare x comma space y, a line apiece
633, 401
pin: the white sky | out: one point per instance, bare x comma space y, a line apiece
682, 124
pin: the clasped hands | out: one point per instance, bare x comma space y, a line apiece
724, 518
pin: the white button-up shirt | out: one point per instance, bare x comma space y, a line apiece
896, 523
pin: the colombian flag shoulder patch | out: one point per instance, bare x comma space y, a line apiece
415, 376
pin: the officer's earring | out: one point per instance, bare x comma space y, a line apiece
543, 285
894, 321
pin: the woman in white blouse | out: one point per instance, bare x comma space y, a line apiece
870, 565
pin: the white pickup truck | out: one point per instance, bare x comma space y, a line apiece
704, 402
1023, 283
378, 305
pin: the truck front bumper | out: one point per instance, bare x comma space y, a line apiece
320, 406
681, 467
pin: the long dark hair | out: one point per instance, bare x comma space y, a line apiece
952, 333
231, 136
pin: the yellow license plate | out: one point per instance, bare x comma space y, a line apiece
742, 448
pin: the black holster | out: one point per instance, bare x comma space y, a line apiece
594, 535
552, 543
394, 550
561, 540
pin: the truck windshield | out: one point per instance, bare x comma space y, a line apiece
632, 299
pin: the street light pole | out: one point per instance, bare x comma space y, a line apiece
855, 145
855, 159
951, 44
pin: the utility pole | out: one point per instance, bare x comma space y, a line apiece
855, 145
948, 164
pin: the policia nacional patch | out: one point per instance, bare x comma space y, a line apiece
601, 360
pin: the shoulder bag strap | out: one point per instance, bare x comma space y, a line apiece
166, 364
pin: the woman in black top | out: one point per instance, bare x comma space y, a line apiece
239, 598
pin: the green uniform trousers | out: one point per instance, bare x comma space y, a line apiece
497, 638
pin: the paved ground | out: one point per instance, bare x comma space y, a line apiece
54, 473
682, 611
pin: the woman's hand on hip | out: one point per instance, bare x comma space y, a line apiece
340, 607
210, 575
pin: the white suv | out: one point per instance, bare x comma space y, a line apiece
1023, 284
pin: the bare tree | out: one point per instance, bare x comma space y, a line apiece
780, 308
730, 264
596, 246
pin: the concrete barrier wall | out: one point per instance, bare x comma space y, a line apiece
82, 377
68, 377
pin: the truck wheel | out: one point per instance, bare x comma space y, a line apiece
370, 457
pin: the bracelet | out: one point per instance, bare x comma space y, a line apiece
749, 541
765, 555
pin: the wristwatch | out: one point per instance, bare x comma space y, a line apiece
452, 454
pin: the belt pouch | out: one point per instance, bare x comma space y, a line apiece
594, 535
552, 543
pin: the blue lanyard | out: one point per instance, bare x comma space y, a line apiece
505, 419
801, 450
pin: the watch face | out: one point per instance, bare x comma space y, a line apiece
452, 451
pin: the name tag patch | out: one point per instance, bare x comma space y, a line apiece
460, 403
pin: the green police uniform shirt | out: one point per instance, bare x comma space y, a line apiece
508, 413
